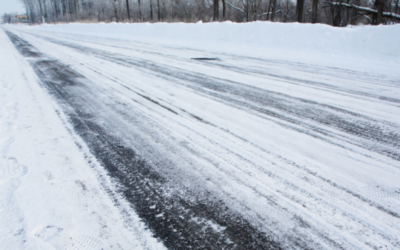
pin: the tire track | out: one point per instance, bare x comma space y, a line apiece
360, 130
191, 203
261, 70
180, 221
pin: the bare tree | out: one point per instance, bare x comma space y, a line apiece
287, 14
41, 10
377, 18
151, 11
115, 11
300, 9
140, 10
250, 9
127, 8
224, 9
273, 10
45, 9
334, 12
216, 10
314, 11
56, 10
159, 10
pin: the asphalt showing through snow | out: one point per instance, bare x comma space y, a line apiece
167, 183
296, 111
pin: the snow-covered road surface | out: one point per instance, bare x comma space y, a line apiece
242, 152
53, 193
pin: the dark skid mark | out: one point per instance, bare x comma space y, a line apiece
180, 222
197, 118
52, 70
296, 81
206, 59
23, 46
155, 102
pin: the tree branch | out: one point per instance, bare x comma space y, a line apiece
365, 9
236, 8
266, 13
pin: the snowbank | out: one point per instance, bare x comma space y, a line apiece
378, 42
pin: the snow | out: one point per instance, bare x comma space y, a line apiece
279, 40
211, 127
50, 196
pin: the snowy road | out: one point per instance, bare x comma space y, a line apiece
234, 153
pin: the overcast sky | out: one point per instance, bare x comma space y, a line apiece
7, 6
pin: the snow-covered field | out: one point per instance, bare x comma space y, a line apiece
114, 137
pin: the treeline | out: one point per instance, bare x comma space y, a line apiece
333, 12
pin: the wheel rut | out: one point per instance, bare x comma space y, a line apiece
316, 119
184, 216
181, 219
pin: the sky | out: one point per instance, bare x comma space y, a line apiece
7, 6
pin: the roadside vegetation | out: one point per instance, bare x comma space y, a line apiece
338, 13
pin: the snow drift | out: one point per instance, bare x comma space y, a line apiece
377, 42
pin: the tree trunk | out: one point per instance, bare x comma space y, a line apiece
314, 11
41, 10
140, 11
247, 11
151, 10
253, 10
379, 4
159, 10
55, 10
31, 15
66, 10
269, 9
115, 11
71, 7
45, 9
336, 14
352, 19
216, 10
127, 8
287, 11
348, 11
224, 10
337, 17
300, 9
77, 10
397, 7
273, 10
64, 7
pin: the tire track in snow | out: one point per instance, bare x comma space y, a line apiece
319, 119
161, 214
180, 222
260, 69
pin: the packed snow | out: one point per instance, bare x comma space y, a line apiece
282, 40
51, 197
113, 137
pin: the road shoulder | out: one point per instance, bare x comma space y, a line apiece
52, 192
